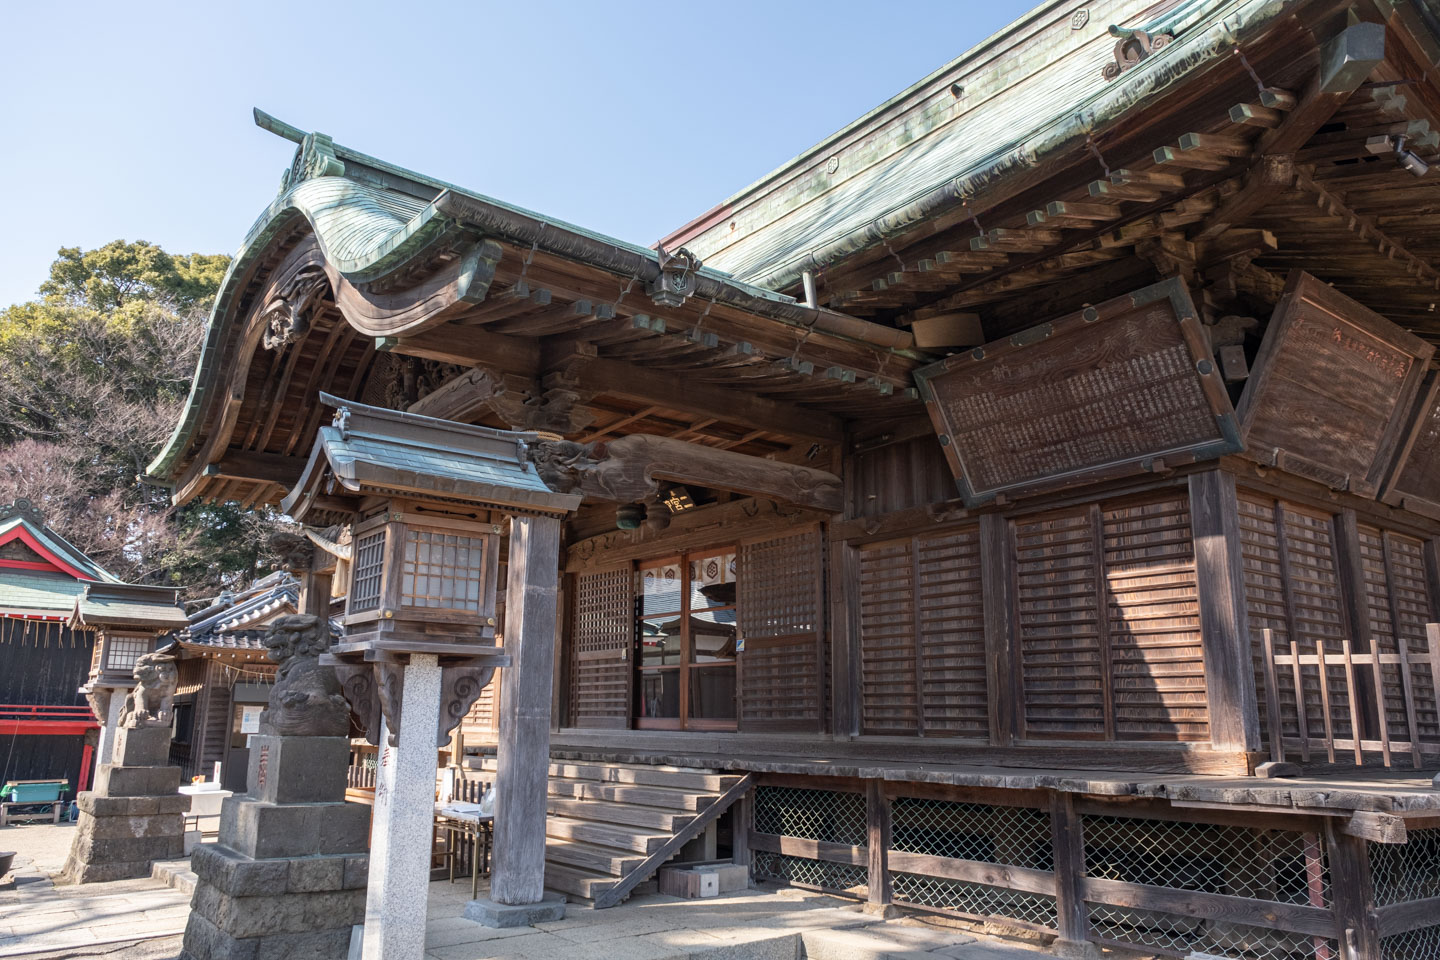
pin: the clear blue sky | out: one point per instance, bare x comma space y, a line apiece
132, 120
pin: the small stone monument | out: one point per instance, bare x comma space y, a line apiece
287, 877
135, 815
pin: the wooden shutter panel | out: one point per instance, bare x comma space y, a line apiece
1109, 626
1398, 607
922, 636
604, 633
888, 697
782, 669
1058, 633
1157, 661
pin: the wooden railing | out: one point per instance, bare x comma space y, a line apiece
1351, 688
34, 719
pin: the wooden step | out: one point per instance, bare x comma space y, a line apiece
589, 856
577, 882
634, 815
676, 778
605, 834
677, 800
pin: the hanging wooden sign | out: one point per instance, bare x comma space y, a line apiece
1414, 482
1123, 387
1333, 387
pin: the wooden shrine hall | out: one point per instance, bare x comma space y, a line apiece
1025, 504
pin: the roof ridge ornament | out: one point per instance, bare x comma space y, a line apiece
1135, 46
23, 508
677, 279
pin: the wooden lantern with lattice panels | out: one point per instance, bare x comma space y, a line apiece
429, 501
423, 574
128, 620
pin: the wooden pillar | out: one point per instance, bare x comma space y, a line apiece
523, 750
1353, 895
744, 817
1224, 622
1068, 843
877, 818
845, 639
315, 593
997, 579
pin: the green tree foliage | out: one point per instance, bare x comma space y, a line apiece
93, 377
119, 272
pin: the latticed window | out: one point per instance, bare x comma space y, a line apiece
121, 652
369, 565
442, 570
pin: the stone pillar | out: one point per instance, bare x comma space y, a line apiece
105, 749
404, 820
517, 880
287, 877
134, 816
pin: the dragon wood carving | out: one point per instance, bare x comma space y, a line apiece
629, 470
287, 314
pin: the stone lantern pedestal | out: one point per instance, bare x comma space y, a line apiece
134, 816
287, 877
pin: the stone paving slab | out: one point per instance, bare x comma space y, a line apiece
141, 919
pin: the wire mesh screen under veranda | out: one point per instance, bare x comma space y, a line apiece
1420, 944
830, 816
1016, 836
838, 877
1401, 872
1186, 936
1275, 865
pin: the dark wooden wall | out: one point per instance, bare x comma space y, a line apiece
911, 473
43, 663
26, 757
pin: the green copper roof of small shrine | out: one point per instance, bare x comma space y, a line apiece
129, 605
38, 593
371, 448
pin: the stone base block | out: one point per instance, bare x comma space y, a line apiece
279, 911
491, 914
114, 780
240, 876
98, 806
81, 871
141, 747
205, 941
298, 769
90, 849
263, 831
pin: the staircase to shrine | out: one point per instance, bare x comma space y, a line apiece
612, 825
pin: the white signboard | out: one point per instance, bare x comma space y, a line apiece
250, 719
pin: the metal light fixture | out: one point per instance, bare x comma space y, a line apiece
1395, 145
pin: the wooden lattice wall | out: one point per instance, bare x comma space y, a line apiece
781, 588
603, 633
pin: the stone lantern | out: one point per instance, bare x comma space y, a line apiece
127, 618
428, 501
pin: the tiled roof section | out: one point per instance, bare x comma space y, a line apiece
272, 595
129, 605
38, 594
370, 447
246, 640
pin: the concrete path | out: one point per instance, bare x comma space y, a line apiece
143, 920
39, 919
